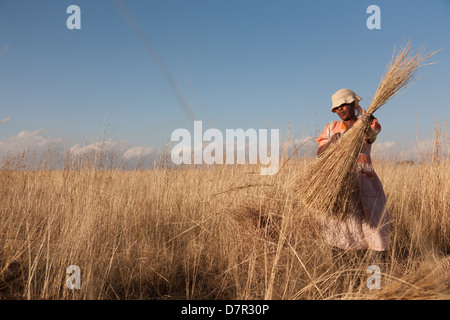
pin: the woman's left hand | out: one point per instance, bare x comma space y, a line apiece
367, 117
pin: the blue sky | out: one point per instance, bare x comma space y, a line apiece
238, 64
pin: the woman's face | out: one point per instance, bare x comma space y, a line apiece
346, 111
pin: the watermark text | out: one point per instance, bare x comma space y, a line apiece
240, 146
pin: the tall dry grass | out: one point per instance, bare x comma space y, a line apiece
222, 232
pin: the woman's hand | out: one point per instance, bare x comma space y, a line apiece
335, 137
367, 117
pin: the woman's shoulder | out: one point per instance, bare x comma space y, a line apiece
332, 124
335, 124
331, 128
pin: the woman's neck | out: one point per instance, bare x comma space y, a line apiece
349, 123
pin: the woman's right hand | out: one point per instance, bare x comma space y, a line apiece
335, 137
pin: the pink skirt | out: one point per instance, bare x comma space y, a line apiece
368, 226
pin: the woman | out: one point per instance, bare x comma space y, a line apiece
367, 228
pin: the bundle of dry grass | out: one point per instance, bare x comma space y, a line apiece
326, 186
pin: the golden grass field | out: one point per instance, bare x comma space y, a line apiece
221, 232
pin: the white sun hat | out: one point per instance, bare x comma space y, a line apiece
343, 96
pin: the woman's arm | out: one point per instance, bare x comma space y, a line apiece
372, 131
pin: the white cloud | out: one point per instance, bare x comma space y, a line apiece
383, 146
35, 141
110, 145
425, 149
387, 144
119, 151
119, 147
412, 150
137, 152
38, 143
385, 149
5, 120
